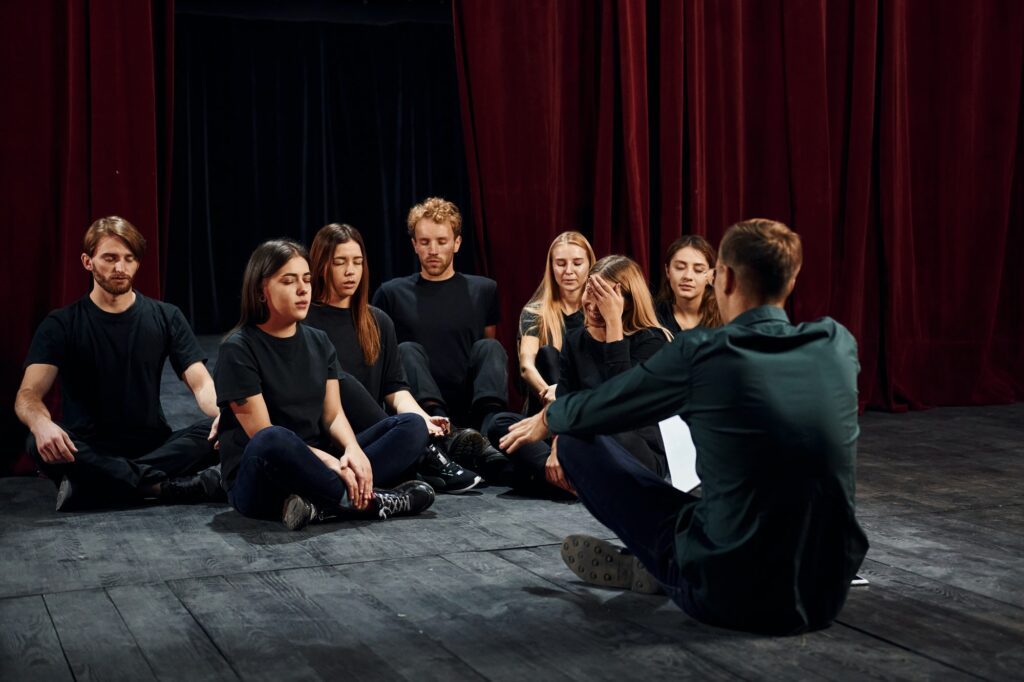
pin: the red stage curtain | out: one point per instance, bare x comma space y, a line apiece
887, 133
86, 129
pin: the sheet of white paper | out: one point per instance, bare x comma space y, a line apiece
681, 453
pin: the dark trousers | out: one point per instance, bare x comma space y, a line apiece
104, 479
528, 461
361, 410
486, 380
634, 502
277, 463
550, 368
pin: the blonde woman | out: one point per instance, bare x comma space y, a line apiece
620, 331
553, 311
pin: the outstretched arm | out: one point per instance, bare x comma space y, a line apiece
402, 402
53, 442
199, 381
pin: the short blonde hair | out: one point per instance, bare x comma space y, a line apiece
439, 210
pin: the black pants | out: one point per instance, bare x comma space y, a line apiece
106, 479
361, 410
486, 380
550, 369
634, 502
277, 463
643, 444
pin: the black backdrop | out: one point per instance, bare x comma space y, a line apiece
283, 125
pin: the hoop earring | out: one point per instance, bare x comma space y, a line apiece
262, 299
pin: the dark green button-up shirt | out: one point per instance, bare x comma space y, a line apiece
772, 544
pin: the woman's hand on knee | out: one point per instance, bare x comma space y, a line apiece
355, 460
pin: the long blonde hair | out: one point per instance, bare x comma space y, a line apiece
638, 311
546, 302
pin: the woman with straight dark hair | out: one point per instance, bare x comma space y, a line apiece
367, 347
287, 450
621, 330
687, 296
552, 312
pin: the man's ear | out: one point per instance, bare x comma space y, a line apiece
728, 275
86, 262
457, 243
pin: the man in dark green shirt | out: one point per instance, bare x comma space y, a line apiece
772, 543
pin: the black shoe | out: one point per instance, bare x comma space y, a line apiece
470, 448
406, 499
444, 475
601, 563
203, 487
298, 512
66, 498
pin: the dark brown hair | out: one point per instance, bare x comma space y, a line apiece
322, 255
268, 258
709, 315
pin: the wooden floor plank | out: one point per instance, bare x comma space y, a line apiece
96, 641
958, 627
174, 644
29, 648
312, 623
833, 653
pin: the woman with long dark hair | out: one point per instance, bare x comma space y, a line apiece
287, 450
552, 312
621, 330
687, 296
367, 347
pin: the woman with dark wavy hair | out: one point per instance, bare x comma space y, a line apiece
687, 297
287, 449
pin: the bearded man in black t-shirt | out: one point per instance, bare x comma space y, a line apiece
113, 445
445, 323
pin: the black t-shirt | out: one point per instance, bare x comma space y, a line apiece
588, 363
446, 317
666, 316
383, 377
291, 374
529, 323
109, 369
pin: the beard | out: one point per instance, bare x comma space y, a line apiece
114, 287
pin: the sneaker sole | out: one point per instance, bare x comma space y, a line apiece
295, 514
601, 563
438, 484
467, 449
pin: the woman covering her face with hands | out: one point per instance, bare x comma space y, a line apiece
287, 450
620, 331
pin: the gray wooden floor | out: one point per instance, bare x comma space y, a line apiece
475, 589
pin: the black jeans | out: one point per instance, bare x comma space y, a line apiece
361, 410
486, 379
277, 463
634, 502
105, 479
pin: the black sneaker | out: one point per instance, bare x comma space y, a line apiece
298, 512
406, 499
203, 487
601, 563
470, 448
444, 475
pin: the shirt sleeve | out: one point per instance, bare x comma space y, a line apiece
392, 373
184, 349
237, 374
381, 299
651, 391
49, 344
619, 356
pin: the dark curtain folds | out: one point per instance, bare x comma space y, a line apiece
85, 122
887, 133
284, 126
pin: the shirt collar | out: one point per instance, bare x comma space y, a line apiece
765, 313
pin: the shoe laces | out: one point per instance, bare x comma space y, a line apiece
393, 503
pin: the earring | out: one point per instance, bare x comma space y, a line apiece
262, 299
